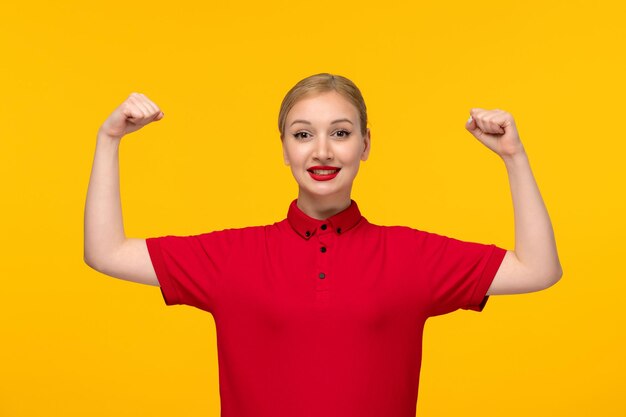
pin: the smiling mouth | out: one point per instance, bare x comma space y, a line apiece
323, 173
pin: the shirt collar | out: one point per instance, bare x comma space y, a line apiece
339, 223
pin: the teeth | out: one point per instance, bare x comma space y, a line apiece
324, 171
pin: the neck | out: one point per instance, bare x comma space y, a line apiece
322, 207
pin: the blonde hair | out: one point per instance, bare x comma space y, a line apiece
320, 83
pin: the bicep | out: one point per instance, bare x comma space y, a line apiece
131, 262
513, 278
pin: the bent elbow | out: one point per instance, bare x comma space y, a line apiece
89, 262
553, 277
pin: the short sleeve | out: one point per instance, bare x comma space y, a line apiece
189, 267
458, 274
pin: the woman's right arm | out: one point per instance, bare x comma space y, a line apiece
106, 247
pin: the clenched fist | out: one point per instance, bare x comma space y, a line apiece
133, 114
496, 130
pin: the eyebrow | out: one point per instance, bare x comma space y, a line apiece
308, 123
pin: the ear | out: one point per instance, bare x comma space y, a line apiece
285, 157
368, 143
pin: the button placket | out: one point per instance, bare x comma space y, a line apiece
322, 274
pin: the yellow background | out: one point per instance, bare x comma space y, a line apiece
76, 342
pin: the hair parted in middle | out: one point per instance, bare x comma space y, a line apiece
321, 83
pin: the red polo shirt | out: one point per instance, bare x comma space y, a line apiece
322, 317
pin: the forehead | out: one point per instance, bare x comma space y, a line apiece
322, 107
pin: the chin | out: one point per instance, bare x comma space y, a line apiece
322, 191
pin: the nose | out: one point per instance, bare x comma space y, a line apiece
323, 149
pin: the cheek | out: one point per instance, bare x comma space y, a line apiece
297, 156
351, 156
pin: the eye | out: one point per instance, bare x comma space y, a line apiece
343, 133
298, 135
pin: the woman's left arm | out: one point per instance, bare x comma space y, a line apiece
534, 264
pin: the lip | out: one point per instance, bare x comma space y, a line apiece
326, 177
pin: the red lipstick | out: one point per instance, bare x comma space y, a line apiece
327, 172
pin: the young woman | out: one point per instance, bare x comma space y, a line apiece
321, 314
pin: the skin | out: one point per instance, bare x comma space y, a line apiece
106, 247
320, 142
534, 264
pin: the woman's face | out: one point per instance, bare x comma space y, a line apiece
323, 144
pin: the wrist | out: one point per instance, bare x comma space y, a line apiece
105, 137
517, 155
516, 158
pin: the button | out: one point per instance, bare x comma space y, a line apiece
322, 275
323, 227
339, 230
323, 249
307, 233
